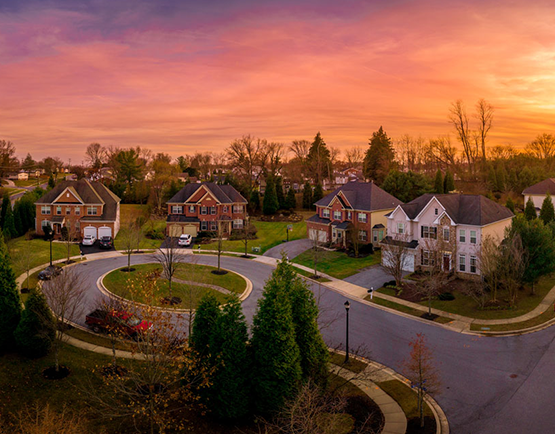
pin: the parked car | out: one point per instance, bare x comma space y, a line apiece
89, 240
105, 242
50, 272
185, 240
121, 321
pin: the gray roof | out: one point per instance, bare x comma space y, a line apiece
90, 192
413, 244
364, 196
177, 218
466, 209
224, 193
317, 219
543, 187
341, 225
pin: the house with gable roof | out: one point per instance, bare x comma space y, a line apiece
361, 206
201, 206
538, 192
459, 221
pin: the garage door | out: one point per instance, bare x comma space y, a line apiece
104, 231
175, 230
315, 234
409, 263
190, 229
89, 230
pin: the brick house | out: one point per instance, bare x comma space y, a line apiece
538, 192
200, 207
455, 224
361, 206
84, 207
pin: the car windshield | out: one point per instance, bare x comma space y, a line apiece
133, 321
88, 237
105, 238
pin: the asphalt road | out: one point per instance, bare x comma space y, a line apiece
489, 385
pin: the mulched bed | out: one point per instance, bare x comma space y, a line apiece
50, 373
413, 426
219, 273
127, 270
171, 301
293, 218
410, 292
361, 408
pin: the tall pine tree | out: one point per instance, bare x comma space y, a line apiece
438, 182
307, 196
510, 204
279, 192
547, 212
318, 193
204, 324
10, 303
530, 210
379, 158
319, 159
254, 202
5, 205
448, 182
290, 199
8, 225
270, 203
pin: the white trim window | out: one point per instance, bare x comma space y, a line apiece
362, 235
59, 210
472, 238
68, 210
203, 210
45, 210
349, 215
91, 210
237, 209
238, 224
428, 232
436, 211
191, 209
77, 210
213, 226
446, 234
462, 263
45, 223
337, 215
427, 258
400, 228
177, 209
203, 226
362, 217
326, 213
473, 264
462, 236
212, 210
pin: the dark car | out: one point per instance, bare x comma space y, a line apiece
50, 272
119, 321
105, 242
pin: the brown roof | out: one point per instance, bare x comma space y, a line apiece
543, 187
224, 193
90, 192
364, 196
466, 209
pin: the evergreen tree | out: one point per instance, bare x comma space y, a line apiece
270, 203
501, 177
547, 212
291, 200
307, 196
407, 186
8, 225
379, 158
510, 204
17, 217
254, 202
279, 192
276, 370
313, 351
318, 193
438, 182
526, 178
35, 332
10, 303
448, 182
319, 159
204, 324
5, 205
530, 210
229, 393
51, 182
492, 178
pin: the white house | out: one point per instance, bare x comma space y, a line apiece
459, 221
538, 192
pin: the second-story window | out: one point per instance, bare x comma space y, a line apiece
326, 213
446, 234
237, 209
472, 237
362, 217
58, 210
45, 210
349, 215
428, 232
337, 215
225, 209
462, 236
213, 210
68, 210
400, 228
203, 210
191, 209
177, 209
91, 210
77, 210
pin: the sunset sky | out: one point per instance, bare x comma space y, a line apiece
186, 76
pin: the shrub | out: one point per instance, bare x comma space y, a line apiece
155, 234
446, 296
389, 283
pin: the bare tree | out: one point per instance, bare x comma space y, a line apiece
128, 241
484, 113
245, 154
396, 256
512, 265
459, 119
410, 151
490, 257
69, 235
41, 419
65, 295
273, 155
542, 147
316, 254
354, 156
95, 155
441, 153
436, 276
170, 258
300, 149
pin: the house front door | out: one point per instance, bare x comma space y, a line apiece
446, 262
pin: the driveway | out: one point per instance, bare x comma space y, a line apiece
371, 277
291, 248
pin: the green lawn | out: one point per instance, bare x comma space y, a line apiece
11, 190
337, 264
354, 365
310, 274
29, 182
404, 309
119, 282
405, 397
128, 214
540, 319
36, 252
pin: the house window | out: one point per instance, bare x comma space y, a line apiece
77, 210
362, 217
68, 210
326, 213
428, 232
237, 209
446, 234
435, 211
213, 210
462, 236
91, 210
400, 228
339, 234
225, 209
45, 209
337, 215
462, 263
58, 210
362, 235
212, 226
426, 258
203, 226
45, 223
473, 264
191, 209
349, 215
237, 224
203, 210
177, 209
472, 237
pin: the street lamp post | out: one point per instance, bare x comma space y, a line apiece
347, 307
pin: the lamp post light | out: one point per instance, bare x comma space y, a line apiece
347, 307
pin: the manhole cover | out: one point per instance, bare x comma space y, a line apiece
513, 375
